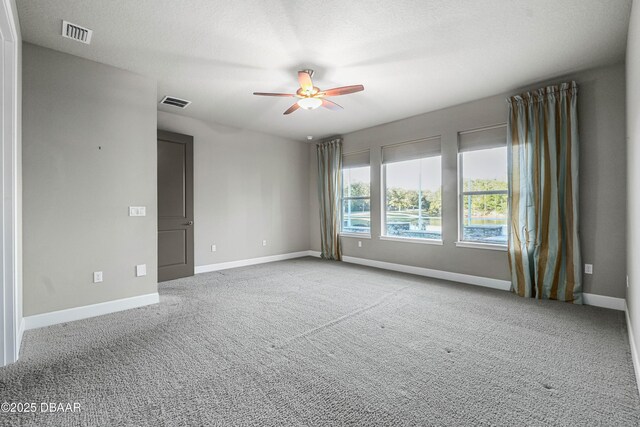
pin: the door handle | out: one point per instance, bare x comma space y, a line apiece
189, 223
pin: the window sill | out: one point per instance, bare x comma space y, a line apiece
412, 240
355, 235
475, 245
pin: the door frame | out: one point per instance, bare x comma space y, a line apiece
10, 221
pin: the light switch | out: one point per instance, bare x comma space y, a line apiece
359, 244
588, 268
137, 211
213, 248
141, 270
264, 243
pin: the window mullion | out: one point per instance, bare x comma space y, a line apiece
484, 193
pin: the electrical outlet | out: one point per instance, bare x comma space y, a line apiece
141, 270
213, 248
588, 268
359, 244
97, 276
264, 243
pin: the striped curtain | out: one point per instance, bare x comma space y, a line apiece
329, 192
542, 145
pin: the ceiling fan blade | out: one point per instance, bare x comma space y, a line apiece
291, 109
305, 81
273, 94
344, 90
331, 105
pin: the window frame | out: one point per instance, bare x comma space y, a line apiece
383, 205
461, 194
343, 199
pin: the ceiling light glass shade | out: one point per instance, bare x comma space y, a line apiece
309, 103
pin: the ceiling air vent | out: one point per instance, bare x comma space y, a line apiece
176, 102
76, 32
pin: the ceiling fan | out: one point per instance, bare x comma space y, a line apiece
311, 97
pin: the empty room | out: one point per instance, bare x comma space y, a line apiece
296, 213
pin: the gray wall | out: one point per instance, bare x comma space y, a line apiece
633, 177
602, 196
248, 187
89, 152
603, 174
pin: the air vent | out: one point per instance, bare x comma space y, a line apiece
176, 102
76, 32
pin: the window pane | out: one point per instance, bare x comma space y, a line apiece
414, 198
356, 216
485, 170
485, 218
355, 182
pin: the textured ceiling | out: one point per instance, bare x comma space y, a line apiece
411, 56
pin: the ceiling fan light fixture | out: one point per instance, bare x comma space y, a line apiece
311, 97
309, 103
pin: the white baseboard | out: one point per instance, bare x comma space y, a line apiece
632, 342
503, 285
245, 262
84, 312
604, 301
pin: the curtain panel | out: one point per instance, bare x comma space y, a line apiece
329, 193
542, 147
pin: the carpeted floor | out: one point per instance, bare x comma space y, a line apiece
311, 342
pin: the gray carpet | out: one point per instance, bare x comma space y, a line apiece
311, 342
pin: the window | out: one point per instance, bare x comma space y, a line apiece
483, 186
356, 194
413, 190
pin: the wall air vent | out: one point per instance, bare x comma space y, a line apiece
175, 102
76, 32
